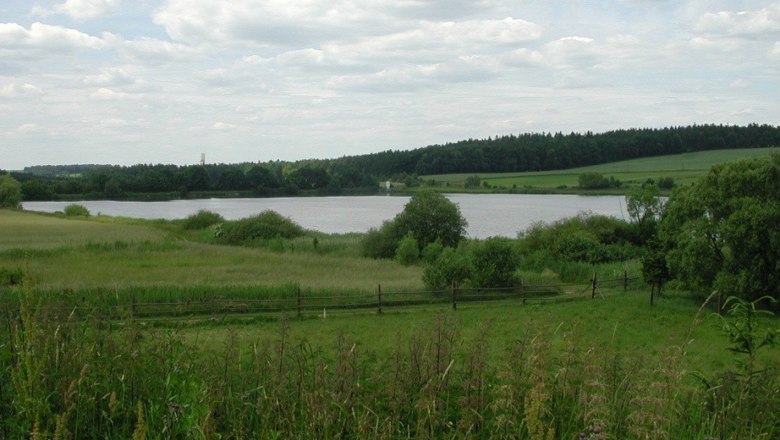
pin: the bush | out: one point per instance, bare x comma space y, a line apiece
407, 252
431, 252
494, 263
380, 243
264, 226
202, 219
76, 210
10, 192
452, 267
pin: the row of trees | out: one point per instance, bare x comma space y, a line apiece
513, 153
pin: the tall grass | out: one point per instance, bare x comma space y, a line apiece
444, 378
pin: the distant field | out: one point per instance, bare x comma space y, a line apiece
683, 168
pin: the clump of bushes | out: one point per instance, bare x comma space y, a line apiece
591, 239
490, 263
593, 180
202, 220
264, 226
76, 210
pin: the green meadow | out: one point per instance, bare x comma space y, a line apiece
571, 366
683, 168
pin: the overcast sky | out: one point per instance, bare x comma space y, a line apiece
145, 81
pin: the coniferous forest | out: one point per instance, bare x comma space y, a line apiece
362, 173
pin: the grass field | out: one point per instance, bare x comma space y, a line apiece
613, 364
683, 168
67, 253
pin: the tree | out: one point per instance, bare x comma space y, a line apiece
644, 207
10, 192
721, 233
430, 216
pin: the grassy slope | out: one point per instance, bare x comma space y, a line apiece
684, 168
61, 253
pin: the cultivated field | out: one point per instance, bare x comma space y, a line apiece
683, 168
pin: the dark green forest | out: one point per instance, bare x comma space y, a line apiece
363, 173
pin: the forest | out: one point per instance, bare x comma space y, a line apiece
363, 173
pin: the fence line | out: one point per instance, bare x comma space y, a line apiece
379, 299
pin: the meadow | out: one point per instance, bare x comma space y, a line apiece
683, 168
608, 367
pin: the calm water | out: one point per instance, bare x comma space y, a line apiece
487, 214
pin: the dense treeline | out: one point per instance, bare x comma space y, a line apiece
512, 153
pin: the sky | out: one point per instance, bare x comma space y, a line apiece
143, 81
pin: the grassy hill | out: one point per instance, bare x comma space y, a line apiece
683, 168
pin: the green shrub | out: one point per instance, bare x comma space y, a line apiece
431, 252
452, 267
264, 226
380, 243
202, 220
494, 263
407, 252
75, 210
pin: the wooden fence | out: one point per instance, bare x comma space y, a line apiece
380, 300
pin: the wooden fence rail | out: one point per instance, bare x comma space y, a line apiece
380, 300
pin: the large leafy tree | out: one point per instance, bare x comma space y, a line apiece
430, 217
10, 192
722, 233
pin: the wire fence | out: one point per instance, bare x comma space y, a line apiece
299, 304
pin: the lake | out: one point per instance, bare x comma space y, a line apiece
487, 214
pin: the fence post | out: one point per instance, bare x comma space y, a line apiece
454, 297
625, 281
379, 298
593, 290
298, 301
522, 290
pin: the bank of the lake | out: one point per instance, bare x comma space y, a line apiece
487, 214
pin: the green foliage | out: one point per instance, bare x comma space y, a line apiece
380, 243
721, 233
11, 277
495, 262
430, 217
585, 238
452, 267
472, 182
201, 220
407, 252
594, 180
76, 210
266, 225
431, 252
10, 192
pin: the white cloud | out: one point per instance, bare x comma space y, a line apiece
79, 9
14, 89
29, 128
104, 93
46, 37
749, 24
110, 77
222, 126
